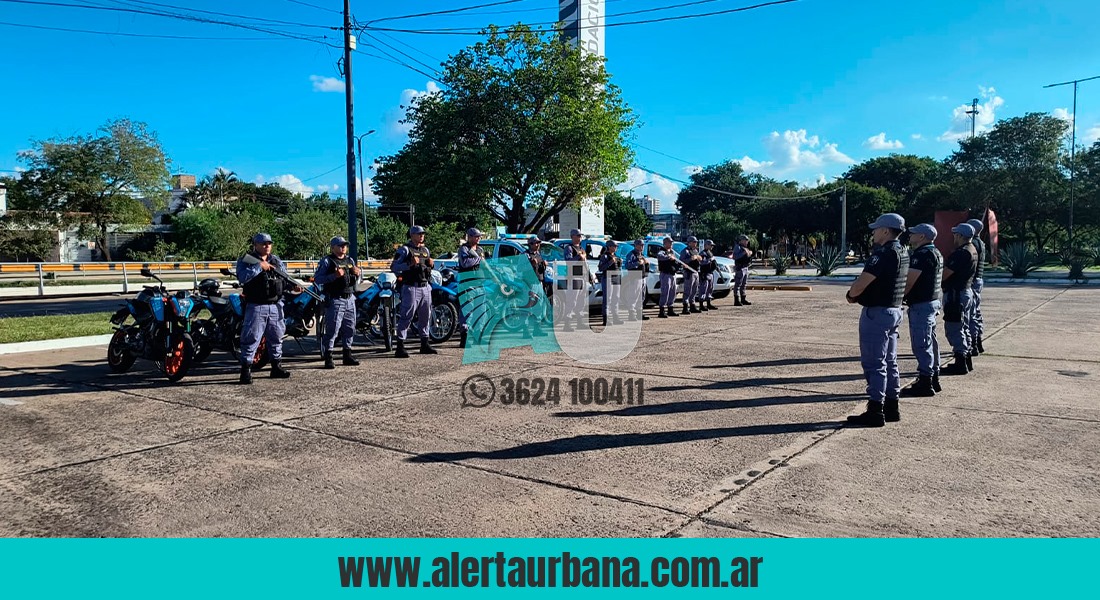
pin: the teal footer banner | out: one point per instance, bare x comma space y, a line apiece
432, 568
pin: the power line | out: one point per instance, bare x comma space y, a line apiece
414, 48
322, 174
686, 162
443, 12
396, 61
724, 192
477, 31
405, 54
332, 10
220, 14
140, 35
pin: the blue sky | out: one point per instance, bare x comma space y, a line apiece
797, 91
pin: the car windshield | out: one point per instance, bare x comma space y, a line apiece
551, 252
679, 246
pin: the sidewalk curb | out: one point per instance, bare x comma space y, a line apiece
58, 344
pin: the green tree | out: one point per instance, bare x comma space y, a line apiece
721, 227
215, 190
905, 176
224, 234
704, 195
305, 234
525, 122
623, 218
386, 234
1086, 203
95, 182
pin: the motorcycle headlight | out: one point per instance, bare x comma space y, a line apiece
437, 278
386, 285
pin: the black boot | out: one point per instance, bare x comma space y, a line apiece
921, 388
462, 339
736, 301
956, 368
661, 313
246, 374
641, 315
672, 312
400, 352
701, 305
969, 362
711, 306
872, 417
695, 309
936, 387
890, 412
277, 370
328, 361
980, 345
426, 347
349, 360
745, 301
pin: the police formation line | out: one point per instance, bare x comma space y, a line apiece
928, 284
262, 277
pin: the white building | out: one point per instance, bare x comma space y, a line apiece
650, 205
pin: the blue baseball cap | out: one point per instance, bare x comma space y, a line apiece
573, 232
261, 238
612, 244
531, 241
692, 238
415, 229
964, 230
976, 224
924, 229
891, 220
639, 242
708, 242
338, 241
473, 232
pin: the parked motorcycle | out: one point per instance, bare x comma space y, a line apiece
160, 331
378, 308
222, 331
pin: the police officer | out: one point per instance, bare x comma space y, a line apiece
923, 295
576, 300
958, 277
262, 289
610, 276
742, 258
538, 264
469, 259
413, 263
336, 274
690, 257
666, 266
977, 325
880, 289
708, 271
636, 261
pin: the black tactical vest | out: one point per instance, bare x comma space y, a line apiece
710, 266
667, 266
886, 291
418, 273
927, 287
966, 259
265, 288
537, 263
637, 257
341, 285
979, 246
744, 261
473, 251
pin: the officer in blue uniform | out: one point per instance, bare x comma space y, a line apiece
262, 289
538, 263
337, 274
667, 266
923, 295
576, 296
879, 290
609, 273
709, 272
469, 259
977, 325
413, 264
690, 257
742, 258
636, 261
958, 277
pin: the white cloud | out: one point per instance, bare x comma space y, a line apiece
1092, 135
326, 84
1063, 114
691, 170
987, 115
917, 136
792, 151
407, 98
654, 185
879, 142
289, 182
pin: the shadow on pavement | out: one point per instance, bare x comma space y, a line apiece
704, 405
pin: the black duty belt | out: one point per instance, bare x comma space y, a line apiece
417, 284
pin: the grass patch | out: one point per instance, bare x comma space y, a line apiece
52, 327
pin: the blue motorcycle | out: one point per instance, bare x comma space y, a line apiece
222, 331
378, 306
160, 331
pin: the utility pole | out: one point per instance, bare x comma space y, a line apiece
363, 194
349, 46
844, 220
1072, 148
973, 112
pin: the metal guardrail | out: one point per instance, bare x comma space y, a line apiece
127, 270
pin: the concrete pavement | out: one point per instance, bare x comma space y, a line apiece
741, 434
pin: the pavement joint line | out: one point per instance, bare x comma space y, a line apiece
1003, 412
738, 490
740, 527
131, 452
1062, 360
499, 473
1010, 322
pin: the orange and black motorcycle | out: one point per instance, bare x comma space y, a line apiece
160, 331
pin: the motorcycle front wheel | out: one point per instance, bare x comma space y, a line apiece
387, 326
203, 330
179, 358
119, 357
444, 320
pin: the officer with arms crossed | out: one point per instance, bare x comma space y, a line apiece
879, 290
977, 325
708, 272
923, 295
958, 276
690, 257
636, 261
576, 298
337, 274
666, 265
263, 313
413, 263
611, 282
742, 258
469, 259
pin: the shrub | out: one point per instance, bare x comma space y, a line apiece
827, 259
1019, 260
781, 264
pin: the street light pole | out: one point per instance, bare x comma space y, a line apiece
363, 194
349, 107
1072, 148
843, 216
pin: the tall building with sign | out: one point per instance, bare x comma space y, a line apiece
583, 24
